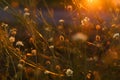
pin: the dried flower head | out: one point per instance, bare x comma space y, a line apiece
88, 76
69, 8
61, 21
12, 39
97, 38
57, 67
48, 62
13, 31
26, 9
4, 24
61, 38
19, 43
51, 46
116, 35
34, 51
98, 27
69, 72
85, 21
20, 66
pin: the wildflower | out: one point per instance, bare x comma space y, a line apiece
5, 8
4, 25
85, 20
61, 21
79, 36
34, 51
20, 66
97, 38
50, 39
104, 28
69, 72
48, 62
116, 35
89, 75
26, 10
82, 22
12, 39
19, 43
95, 58
113, 25
21, 61
51, 46
61, 38
26, 14
13, 31
69, 8
57, 67
90, 59
31, 40
98, 27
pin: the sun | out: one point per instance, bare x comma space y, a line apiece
94, 3
89, 4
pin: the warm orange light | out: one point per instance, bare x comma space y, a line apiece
94, 4
115, 2
90, 1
